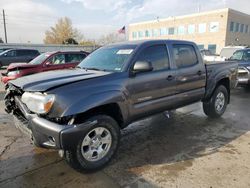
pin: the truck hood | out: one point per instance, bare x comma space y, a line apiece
20, 65
52, 79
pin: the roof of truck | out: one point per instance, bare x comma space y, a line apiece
142, 42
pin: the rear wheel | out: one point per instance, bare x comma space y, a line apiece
217, 105
97, 145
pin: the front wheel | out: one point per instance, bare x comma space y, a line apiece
217, 105
97, 145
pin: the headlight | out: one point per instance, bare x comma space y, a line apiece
248, 67
13, 73
38, 102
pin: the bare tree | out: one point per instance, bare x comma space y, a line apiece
61, 32
111, 38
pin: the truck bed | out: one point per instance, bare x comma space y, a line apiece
213, 74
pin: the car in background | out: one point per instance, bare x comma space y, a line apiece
243, 58
45, 62
17, 55
225, 54
207, 55
4, 49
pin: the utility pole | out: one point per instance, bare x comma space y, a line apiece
4, 25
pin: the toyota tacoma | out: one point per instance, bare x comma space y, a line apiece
81, 111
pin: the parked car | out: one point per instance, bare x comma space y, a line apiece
225, 54
243, 58
81, 111
44, 62
207, 55
17, 55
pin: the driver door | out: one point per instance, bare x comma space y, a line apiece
152, 92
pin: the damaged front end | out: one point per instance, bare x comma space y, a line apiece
9, 98
57, 133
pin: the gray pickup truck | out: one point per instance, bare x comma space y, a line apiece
81, 111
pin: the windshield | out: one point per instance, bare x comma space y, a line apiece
39, 59
108, 58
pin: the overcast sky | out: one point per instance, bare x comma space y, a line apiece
27, 20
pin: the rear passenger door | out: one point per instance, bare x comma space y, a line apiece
152, 92
191, 74
22, 55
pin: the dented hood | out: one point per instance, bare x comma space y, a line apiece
52, 79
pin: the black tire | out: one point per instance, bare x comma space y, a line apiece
75, 158
209, 107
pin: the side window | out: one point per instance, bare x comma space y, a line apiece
73, 58
184, 55
237, 55
21, 52
33, 52
11, 53
57, 59
246, 56
157, 55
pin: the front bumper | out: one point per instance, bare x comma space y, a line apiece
47, 133
243, 76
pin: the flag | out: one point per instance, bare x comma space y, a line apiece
122, 30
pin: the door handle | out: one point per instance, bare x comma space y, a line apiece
170, 77
199, 72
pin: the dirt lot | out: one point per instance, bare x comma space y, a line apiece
187, 150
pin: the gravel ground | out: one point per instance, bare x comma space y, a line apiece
187, 150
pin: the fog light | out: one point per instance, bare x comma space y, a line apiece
61, 153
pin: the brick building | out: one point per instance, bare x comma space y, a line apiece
210, 30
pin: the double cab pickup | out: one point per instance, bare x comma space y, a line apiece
81, 111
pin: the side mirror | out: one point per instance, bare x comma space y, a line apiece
5, 55
142, 66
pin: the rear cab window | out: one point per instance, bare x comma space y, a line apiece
184, 55
157, 55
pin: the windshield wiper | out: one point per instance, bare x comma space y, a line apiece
93, 68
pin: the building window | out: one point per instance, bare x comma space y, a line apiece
171, 31
212, 48
232, 26
134, 35
246, 29
241, 28
237, 27
140, 34
191, 29
147, 33
200, 46
181, 30
202, 28
155, 33
163, 31
214, 26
